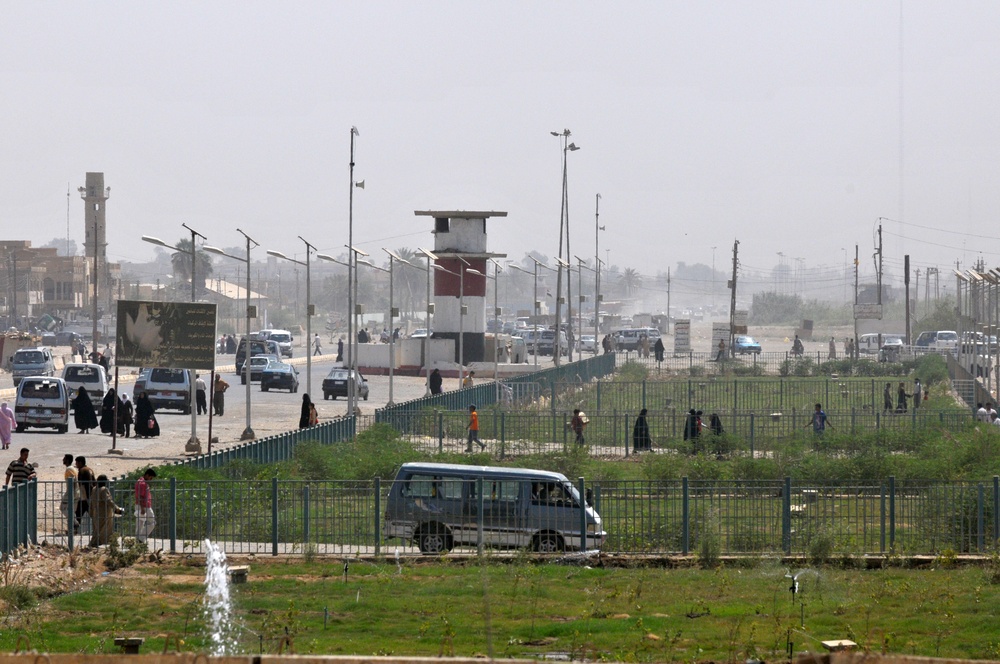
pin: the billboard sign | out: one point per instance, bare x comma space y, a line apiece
682, 335
868, 311
173, 335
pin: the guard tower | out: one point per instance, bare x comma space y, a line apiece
460, 244
94, 196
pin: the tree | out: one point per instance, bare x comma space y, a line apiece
180, 261
631, 280
64, 246
411, 278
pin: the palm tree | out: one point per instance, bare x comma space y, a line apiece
631, 280
181, 263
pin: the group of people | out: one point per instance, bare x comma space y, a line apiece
902, 404
118, 414
226, 345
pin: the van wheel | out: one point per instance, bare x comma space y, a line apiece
434, 539
62, 429
187, 410
21, 428
548, 543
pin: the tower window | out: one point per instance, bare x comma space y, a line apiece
442, 225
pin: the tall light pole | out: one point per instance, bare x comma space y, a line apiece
352, 365
597, 270
392, 345
309, 306
430, 256
193, 445
248, 432
567, 147
580, 266
352, 287
534, 306
392, 317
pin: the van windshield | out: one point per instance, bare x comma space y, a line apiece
40, 390
88, 374
280, 337
166, 376
28, 357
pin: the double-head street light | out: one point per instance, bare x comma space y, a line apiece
567, 147
248, 433
496, 323
309, 306
393, 314
193, 445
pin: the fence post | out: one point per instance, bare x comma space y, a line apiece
854, 417
503, 433
781, 393
689, 395
878, 420
736, 399
685, 517
980, 517
599, 381
208, 512
173, 515
751, 434
274, 516
892, 512
643, 392
614, 430
378, 516
996, 509
305, 516
786, 517
597, 498
826, 399
440, 419
481, 506
882, 520
581, 488
71, 510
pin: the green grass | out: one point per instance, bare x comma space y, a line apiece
514, 608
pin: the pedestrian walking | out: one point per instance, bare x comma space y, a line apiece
317, 348
145, 519
7, 425
578, 424
436, 382
473, 427
340, 349
64, 507
691, 428
901, 397
127, 414
85, 482
918, 393
887, 399
467, 381
19, 470
103, 511
819, 421
640, 433
306, 414
109, 407
201, 394
219, 395
658, 349
146, 425
84, 415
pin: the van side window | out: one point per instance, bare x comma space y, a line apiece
550, 493
508, 491
427, 486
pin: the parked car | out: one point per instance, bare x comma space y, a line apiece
42, 401
278, 376
335, 384
744, 345
257, 365
140, 382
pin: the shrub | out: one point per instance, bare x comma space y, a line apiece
931, 369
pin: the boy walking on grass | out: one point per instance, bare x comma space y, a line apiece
473, 428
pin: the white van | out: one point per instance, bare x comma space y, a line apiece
868, 344
284, 340
89, 376
32, 362
42, 401
436, 505
169, 388
628, 338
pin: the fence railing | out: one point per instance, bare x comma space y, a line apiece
610, 433
18, 514
781, 363
639, 517
522, 389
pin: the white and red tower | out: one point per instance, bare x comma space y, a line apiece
460, 244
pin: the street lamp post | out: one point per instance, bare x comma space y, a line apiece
248, 432
309, 306
597, 271
427, 321
193, 445
567, 147
392, 317
352, 364
534, 306
392, 344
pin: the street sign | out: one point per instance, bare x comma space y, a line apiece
868, 311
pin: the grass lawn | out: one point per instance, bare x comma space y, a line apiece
514, 608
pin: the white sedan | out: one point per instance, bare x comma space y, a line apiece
588, 342
419, 334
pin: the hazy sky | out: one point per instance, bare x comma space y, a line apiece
774, 123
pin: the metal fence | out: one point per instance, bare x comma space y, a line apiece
513, 391
17, 515
639, 517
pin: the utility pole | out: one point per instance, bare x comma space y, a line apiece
878, 280
668, 300
916, 291
732, 293
906, 284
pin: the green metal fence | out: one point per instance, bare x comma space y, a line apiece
18, 516
639, 517
523, 388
